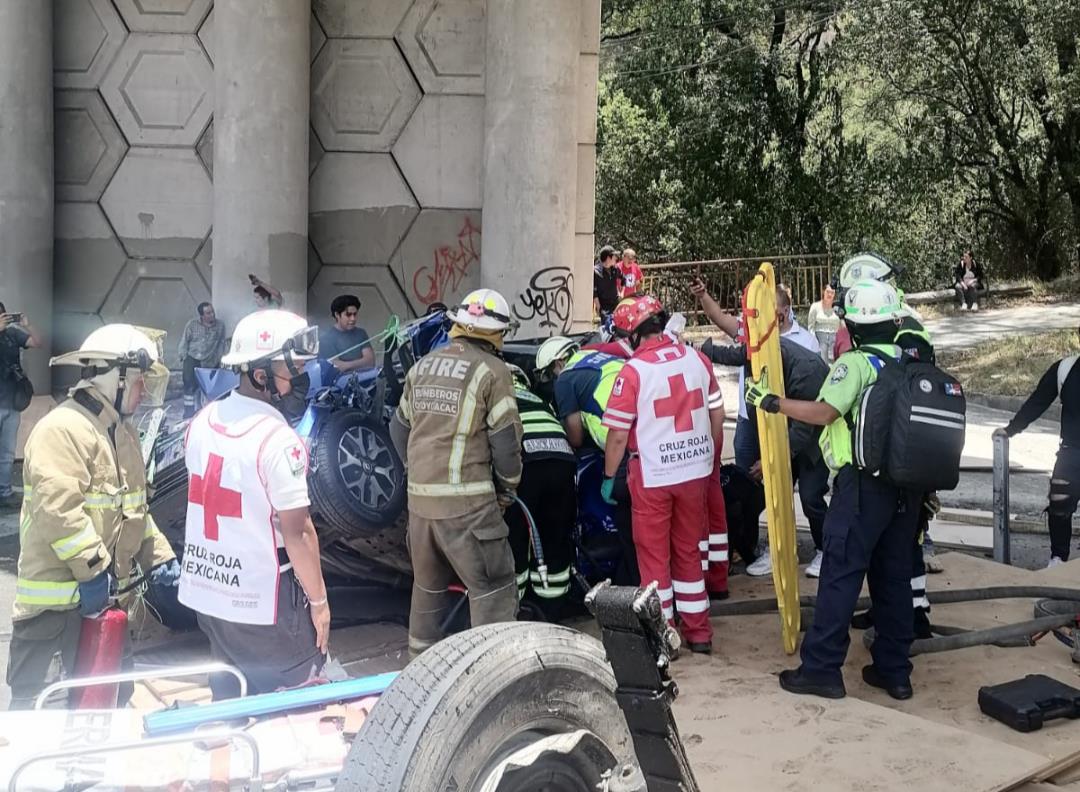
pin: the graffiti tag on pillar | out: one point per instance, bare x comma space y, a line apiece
449, 268
548, 299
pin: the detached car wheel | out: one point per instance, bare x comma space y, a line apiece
358, 483
513, 707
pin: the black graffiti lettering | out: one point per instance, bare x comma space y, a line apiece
549, 299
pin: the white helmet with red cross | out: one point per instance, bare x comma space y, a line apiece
483, 309
271, 335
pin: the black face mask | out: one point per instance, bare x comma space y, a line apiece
293, 405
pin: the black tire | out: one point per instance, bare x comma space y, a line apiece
477, 697
358, 484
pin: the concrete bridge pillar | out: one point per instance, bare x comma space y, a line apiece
262, 98
531, 160
26, 169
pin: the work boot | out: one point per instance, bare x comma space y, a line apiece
900, 691
922, 624
700, 647
719, 596
797, 682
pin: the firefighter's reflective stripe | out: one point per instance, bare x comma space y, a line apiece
466, 414
71, 546
150, 529
537, 419
135, 499
499, 411
444, 490
45, 592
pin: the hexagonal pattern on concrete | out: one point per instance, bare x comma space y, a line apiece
157, 293
360, 208
163, 16
205, 149
318, 38
362, 93
160, 202
87, 257
360, 18
161, 89
204, 258
439, 261
444, 41
441, 152
380, 296
86, 37
89, 145
206, 35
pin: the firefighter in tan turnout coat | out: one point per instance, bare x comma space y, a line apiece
84, 517
458, 430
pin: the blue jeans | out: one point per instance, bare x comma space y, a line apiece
746, 444
9, 432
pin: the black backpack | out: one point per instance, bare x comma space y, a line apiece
911, 425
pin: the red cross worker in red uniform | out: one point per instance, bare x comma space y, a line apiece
667, 409
251, 568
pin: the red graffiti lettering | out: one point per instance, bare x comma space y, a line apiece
450, 267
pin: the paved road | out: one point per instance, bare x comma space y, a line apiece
961, 330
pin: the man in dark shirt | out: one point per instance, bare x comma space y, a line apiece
804, 374
346, 345
16, 334
607, 280
1061, 381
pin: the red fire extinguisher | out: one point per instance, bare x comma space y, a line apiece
101, 649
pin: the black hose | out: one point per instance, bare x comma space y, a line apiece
1007, 633
768, 605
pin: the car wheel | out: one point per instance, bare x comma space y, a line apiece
358, 482
515, 706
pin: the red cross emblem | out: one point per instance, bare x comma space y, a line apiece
680, 405
263, 340
296, 453
206, 491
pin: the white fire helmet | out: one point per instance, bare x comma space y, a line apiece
483, 309
117, 350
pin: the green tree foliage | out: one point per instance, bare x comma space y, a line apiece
910, 126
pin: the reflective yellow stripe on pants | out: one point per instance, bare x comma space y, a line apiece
46, 592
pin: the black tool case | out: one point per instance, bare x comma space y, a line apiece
1025, 704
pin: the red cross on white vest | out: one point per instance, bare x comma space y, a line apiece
217, 502
681, 404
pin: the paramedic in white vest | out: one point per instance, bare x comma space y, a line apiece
251, 556
666, 406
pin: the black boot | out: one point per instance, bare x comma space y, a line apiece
900, 691
797, 682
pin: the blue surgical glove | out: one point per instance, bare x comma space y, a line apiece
167, 574
606, 489
94, 595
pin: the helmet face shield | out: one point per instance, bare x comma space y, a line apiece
155, 385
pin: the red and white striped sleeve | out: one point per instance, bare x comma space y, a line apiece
621, 409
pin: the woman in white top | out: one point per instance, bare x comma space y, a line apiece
823, 321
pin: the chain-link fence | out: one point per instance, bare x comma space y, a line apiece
804, 275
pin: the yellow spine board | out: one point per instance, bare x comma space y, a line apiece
763, 336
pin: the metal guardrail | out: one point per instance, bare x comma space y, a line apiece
1002, 549
805, 275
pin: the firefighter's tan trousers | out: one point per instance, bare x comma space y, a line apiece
472, 549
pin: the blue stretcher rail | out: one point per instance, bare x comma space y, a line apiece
172, 721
